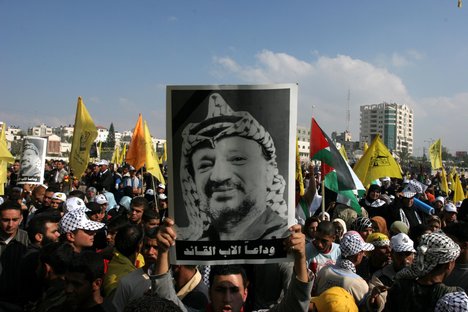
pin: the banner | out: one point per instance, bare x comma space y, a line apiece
33, 156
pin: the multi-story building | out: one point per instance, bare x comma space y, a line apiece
40, 131
303, 139
394, 122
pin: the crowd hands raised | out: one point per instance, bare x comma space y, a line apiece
101, 243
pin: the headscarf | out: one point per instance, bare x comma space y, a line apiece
399, 227
453, 302
220, 122
361, 224
381, 224
433, 249
343, 225
378, 240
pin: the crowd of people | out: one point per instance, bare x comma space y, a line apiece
100, 242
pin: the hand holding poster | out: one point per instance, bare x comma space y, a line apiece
231, 155
32, 160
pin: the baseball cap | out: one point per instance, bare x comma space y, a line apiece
77, 219
402, 243
160, 185
149, 192
162, 196
75, 203
59, 196
335, 299
352, 243
449, 207
411, 189
103, 162
378, 240
101, 199
441, 199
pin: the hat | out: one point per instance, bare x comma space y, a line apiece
162, 186
385, 179
335, 299
59, 196
77, 219
103, 162
399, 227
452, 302
149, 192
352, 243
374, 188
441, 199
402, 243
75, 203
449, 207
162, 196
101, 199
125, 202
411, 189
361, 224
1, 200
378, 240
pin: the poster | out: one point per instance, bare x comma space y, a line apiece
231, 159
33, 156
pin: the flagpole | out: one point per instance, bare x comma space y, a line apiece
323, 199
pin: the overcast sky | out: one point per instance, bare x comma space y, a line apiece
120, 55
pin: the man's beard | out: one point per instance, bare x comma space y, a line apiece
227, 219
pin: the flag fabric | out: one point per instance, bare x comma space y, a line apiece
336, 171
366, 147
116, 154
435, 154
443, 182
458, 193
152, 164
299, 179
84, 134
451, 179
165, 152
123, 154
343, 153
377, 162
136, 151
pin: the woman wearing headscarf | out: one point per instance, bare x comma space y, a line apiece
379, 225
419, 286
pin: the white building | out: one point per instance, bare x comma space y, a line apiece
394, 122
102, 134
303, 139
40, 131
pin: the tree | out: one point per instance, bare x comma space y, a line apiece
109, 145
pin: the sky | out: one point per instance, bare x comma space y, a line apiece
119, 56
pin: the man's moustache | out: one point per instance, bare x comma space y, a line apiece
213, 186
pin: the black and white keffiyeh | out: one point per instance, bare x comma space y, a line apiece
434, 249
453, 302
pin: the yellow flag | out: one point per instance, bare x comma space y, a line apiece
136, 151
377, 162
435, 154
366, 147
116, 154
343, 153
165, 152
443, 182
299, 179
458, 193
123, 154
451, 179
84, 134
152, 164
5, 154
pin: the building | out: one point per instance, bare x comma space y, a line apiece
394, 122
303, 140
40, 131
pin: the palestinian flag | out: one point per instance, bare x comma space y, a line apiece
336, 172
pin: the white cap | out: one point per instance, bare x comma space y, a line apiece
149, 192
103, 162
441, 199
352, 243
101, 199
160, 185
59, 196
77, 219
162, 196
75, 203
411, 189
449, 207
401, 243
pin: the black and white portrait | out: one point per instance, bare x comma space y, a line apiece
32, 161
231, 149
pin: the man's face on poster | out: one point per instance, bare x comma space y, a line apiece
29, 159
232, 180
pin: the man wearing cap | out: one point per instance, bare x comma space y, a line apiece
161, 188
449, 215
78, 230
419, 286
404, 209
438, 204
343, 273
106, 178
230, 182
58, 200
377, 258
402, 256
